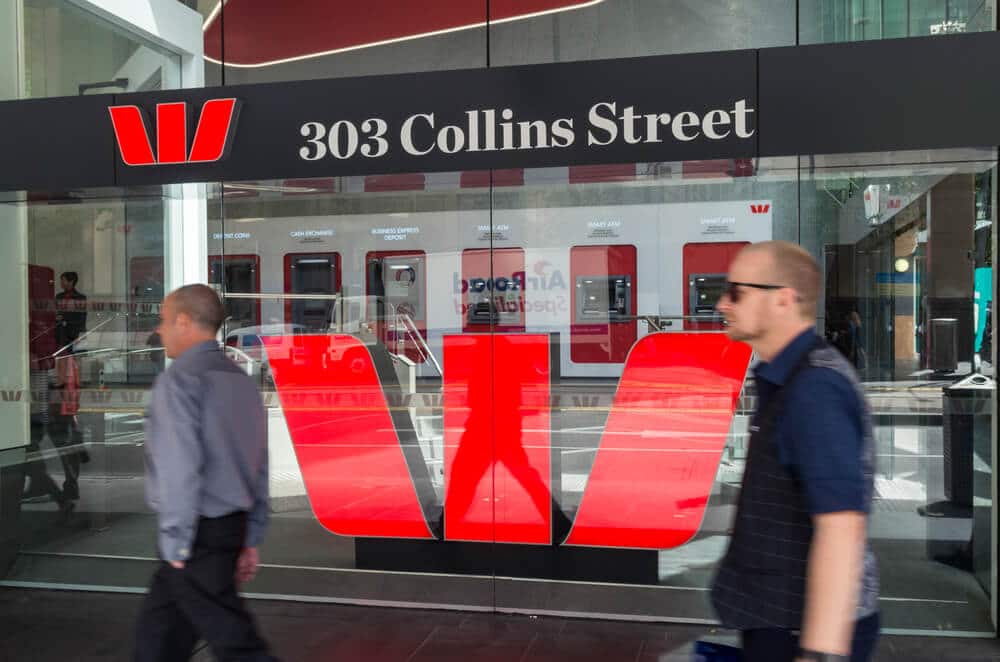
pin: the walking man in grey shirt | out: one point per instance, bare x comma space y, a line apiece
206, 459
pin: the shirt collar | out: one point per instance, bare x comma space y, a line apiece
776, 371
198, 350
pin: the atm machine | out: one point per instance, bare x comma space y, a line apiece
604, 290
493, 296
396, 285
705, 268
237, 274
312, 273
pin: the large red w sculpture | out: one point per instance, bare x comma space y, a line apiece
366, 476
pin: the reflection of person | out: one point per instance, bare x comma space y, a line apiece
206, 452
857, 355
63, 428
475, 455
155, 354
41, 485
798, 558
71, 310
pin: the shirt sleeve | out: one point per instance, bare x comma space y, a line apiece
259, 513
822, 442
179, 458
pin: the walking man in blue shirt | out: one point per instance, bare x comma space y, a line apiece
799, 579
206, 460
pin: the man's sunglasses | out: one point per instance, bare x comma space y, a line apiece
733, 289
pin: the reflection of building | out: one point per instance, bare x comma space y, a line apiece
581, 253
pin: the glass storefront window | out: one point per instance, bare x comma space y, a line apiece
480, 385
69, 51
630, 28
83, 282
829, 21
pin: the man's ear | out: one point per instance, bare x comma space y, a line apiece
788, 297
182, 320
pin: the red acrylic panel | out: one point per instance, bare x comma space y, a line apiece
664, 436
171, 132
497, 438
132, 135
347, 448
213, 137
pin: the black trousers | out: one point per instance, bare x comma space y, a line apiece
200, 600
783, 645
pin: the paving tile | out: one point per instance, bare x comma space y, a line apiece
50, 626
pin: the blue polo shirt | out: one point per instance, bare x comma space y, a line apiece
820, 431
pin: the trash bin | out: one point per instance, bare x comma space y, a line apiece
944, 344
967, 462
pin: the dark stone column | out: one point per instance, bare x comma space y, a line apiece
950, 251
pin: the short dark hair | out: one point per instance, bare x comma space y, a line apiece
201, 304
794, 267
70, 276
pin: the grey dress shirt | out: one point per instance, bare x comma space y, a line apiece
206, 449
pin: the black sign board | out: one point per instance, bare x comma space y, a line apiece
884, 95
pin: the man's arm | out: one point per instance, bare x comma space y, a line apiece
179, 456
827, 452
259, 513
257, 519
836, 559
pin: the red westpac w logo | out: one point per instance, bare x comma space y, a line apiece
760, 209
654, 461
212, 137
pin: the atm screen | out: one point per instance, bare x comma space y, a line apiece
603, 298
705, 290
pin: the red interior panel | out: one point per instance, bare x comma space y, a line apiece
41, 314
481, 178
384, 183
613, 172
262, 31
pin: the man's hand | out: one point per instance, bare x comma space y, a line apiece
178, 564
246, 565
